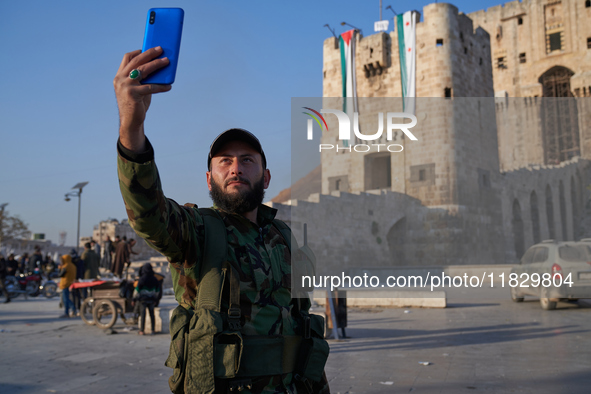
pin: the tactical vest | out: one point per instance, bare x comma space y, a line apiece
206, 342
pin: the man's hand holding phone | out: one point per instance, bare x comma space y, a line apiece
133, 98
145, 72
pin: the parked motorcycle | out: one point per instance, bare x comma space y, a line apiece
28, 284
48, 288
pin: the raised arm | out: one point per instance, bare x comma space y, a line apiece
173, 230
133, 98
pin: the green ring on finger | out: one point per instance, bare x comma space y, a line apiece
135, 74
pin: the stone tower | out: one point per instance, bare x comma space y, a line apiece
453, 61
453, 168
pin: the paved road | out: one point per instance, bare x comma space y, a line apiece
494, 346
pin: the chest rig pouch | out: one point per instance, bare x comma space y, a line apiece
206, 342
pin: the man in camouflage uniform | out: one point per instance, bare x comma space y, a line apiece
237, 177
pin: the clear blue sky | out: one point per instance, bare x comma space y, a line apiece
240, 64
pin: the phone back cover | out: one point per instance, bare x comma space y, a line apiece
166, 31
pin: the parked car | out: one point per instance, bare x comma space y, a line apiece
553, 271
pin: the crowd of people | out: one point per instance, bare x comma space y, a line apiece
16, 265
146, 292
116, 258
25, 264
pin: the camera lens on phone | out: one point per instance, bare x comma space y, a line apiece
152, 17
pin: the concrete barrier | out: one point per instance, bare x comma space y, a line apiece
162, 315
430, 271
388, 298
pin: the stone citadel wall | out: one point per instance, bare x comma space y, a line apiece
524, 135
385, 229
546, 202
489, 176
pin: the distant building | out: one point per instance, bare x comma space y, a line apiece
111, 228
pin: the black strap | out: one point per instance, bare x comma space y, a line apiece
234, 312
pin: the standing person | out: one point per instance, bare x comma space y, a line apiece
283, 343
36, 260
11, 265
96, 247
148, 292
67, 272
130, 246
49, 266
115, 243
107, 253
114, 252
3, 272
91, 262
121, 257
43, 267
23, 264
78, 294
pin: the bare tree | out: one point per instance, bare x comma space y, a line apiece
12, 226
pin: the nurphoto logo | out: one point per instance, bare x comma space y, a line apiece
345, 129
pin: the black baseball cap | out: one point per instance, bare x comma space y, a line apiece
235, 135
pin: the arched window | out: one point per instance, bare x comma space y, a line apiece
556, 82
562, 202
574, 208
560, 123
550, 213
517, 223
535, 217
580, 193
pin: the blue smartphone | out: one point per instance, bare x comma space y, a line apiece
164, 28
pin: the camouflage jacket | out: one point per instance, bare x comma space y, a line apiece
258, 253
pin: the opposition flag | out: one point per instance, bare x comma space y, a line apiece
406, 27
347, 45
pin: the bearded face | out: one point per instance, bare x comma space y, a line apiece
237, 179
240, 200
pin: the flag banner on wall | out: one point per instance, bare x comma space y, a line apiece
406, 27
347, 45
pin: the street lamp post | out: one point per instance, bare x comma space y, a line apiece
356, 28
78, 194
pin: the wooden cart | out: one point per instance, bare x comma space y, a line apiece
104, 304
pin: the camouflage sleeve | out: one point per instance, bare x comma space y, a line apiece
168, 227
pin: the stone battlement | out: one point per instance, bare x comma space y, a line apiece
506, 10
